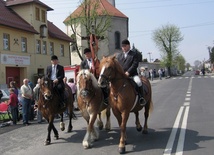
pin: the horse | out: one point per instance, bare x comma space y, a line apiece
123, 97
90, 102
48, 104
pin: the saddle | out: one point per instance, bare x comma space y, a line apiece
134, 84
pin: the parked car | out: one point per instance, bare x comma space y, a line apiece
197, 72
5, 95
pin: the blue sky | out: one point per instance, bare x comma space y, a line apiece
195, 18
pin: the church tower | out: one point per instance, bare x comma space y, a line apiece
112, 2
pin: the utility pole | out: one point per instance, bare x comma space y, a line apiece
150, 56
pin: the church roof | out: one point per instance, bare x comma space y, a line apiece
104, 6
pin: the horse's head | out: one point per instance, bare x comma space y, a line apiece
46, 87
110, 68
86, 84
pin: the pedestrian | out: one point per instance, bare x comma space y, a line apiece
13, 104
151, 74
73, 87
129, 61
160, 74
36, 91
27, 96
56, 73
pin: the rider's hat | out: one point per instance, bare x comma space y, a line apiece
54, 57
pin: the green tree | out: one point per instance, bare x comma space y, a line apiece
167, 39
91, 19
179, 61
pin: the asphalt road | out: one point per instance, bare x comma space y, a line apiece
181, 123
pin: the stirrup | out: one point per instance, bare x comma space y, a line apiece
142, 101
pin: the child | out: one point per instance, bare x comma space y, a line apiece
13, 103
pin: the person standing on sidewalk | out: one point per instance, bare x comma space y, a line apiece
27, 96
160, 74
13, 103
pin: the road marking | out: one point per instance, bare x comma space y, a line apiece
168, 149
181, 139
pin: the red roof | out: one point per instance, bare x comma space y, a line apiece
20, 2
104, 6
55, 32
9, 18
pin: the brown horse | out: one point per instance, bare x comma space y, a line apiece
90, 103
48, 104
123, 96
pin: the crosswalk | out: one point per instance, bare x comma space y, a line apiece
193, 77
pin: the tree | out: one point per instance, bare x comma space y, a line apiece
91, 19
167, 39
179, 61
188, 66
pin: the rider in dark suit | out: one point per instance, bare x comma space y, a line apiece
56, 73
87, 64
129, 60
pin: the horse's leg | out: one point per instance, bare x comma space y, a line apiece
146, 115
99, 121
70, 127
50, 126
86, 141
62, 124
91, 133
108, 121
137, 121
56, 134
122, 148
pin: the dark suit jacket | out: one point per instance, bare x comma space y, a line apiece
60, 73
130, 63
84, 64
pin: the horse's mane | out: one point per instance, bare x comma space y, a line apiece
112, 61
87, 73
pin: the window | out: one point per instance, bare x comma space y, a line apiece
117, 40
44, 47
37, 14
61, 50
6, 41
51, 48
43, 16
38, 46
24, 44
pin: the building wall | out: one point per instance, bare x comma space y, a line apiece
36, 61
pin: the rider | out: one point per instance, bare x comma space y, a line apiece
87, 64
56, 73
128, 59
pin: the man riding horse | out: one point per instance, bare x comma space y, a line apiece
92, 63
56, 73
129, 60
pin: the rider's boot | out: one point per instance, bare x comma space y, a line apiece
142, 101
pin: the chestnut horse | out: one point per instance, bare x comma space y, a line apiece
49, 104
90, 103
123, 96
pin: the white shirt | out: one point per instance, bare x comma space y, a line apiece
89, 63
125, 54
53, 73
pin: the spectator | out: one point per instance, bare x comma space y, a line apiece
151, 74
13, 103
160, 74
27, 95
36, 91
73, 87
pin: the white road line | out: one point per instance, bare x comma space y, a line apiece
171, 140
181, 139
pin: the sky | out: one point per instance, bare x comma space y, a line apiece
194, 18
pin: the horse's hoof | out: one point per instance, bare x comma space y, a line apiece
86, 145
139, 129
69, 130
47, 142
56, 137
145, 132
100, 127
122, 150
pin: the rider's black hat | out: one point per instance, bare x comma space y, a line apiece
54, 57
